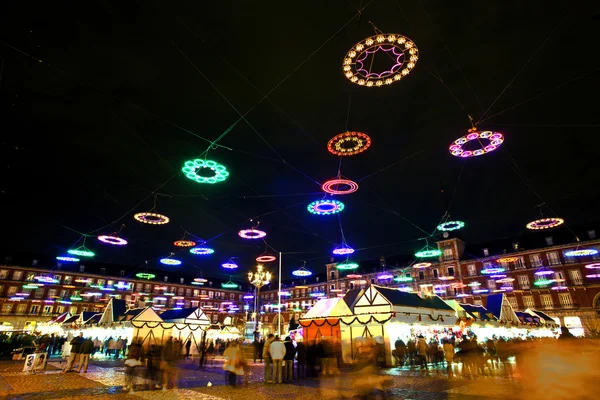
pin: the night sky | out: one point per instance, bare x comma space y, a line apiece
102, 103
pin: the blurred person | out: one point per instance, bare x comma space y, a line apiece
86, 349
76, 344
422, 348
122, 347
325, 354
300, 360
111, 346
411, 347
311, 359
432, 350
277, 352
490, 347
288, 359
153, 373
188, 346
266, 354
134, 357
449, 356
178, 347
399, 352
167, 365
256, 346
234, 364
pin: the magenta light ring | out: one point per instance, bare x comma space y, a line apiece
561, 287
477, 291
229, 265
252, 234
343, 249
488, 271
498, 276
495, 139
201, 251
385, 277
506, 287
593, 276
593, 266
325, 207
329, 186
544, 272
114, 240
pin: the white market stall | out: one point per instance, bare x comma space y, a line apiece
186, 324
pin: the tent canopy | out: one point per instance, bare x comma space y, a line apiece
114, 311
144, 314
377, 299
500, 307
328, 308
192, 316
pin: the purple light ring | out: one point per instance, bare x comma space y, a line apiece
114, 240
252, 234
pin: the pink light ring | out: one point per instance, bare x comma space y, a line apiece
252, 234
559, 287
498, 276
544, 272
593, 266
593, 276
495, 139
114, 240
329, 186
384, 276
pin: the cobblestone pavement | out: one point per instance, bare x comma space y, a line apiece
105, 380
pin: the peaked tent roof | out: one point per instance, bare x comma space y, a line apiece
61, 318
114, 311
478, 311
351, 296
500, 307
545, 318
193, 315
143, 314
71, 319
329, 308
94, 319
399, 298
84, 316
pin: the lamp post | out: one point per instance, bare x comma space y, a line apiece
258, 279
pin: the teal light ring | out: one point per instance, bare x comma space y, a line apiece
192, 167
82, 252
347, 266
450, 226
68, 259
325, 207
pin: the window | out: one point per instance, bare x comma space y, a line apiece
549, 241
546, 300
102, 270
421, 275
435, 273
528, 302
592, 234
17, 275
122, 273
110, 283
486, 252
82, 268
513, 302
448, 254
520, 263
332, 275
3, 273
535, 260
179, 291
471, 270
450, 271
30, 277
68, 280
523, 281
60, 309
559, 277
39, 293
188, 292
372, 280
21, 308
34, 309
351, 285
12, 290
6, 307
575, 277
211, 294
180, 280
47, 309
331, 287
515, 246
196, 292
565, 300
553, 258
491, 284
317, 279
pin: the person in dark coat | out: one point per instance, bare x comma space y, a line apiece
301, 360
311, 359
188, 346
76, 344
288, 359
86, 349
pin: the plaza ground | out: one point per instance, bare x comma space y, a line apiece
105, 379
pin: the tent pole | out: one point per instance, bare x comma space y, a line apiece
279, 297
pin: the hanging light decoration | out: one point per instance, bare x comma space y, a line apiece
544, 272
421, 265
266, 258
494, 139
184, 243
169, 261
427, 252
151, 218
252, 233
403, 279
349, 144
343, 249
542, 282
545, 223
359, 59
340, 186
81, 251
581, 252
446, 278
229, 284
474, 284
354, 276
229, 264
492, 270
479, 291
450, 226
384, 276
347, 265
205, 171
67, 259
112, 239
325, 207
302, 271
201, 251
145, 275
593, 266
507, 259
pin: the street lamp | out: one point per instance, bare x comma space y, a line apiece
258, 279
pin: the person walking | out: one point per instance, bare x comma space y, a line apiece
188, 346
266, 354
134, 356
288, 359
422, 348
234, 364
76, 344
449, 356
86, 349
277, 350
301, 360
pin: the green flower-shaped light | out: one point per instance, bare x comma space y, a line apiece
216, 172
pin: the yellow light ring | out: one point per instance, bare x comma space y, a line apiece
545, 223
184, 243
398, 47
361, 142
151, 218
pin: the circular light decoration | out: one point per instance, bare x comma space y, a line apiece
593, 266
114, 240
83, 280
151, 218
248, 296
252, 234
543, 272
445, 278
343, 249
427, 252
507, 259
587, 276
201, 251
422, 265
353, 276
505, 280
317, 294
359, 59
301, 272
145, 275
450, 226
542, 282
76, 297
498, 276
200, 280
205, 171
197, 283
545, 223
169, 261
559, 288
81, 252
68, 259
403, 279
477, 291
348, 144
463, 295
340, 186
384, 276
439, 291
347, 265
325, 207
492, 270
228, 265
495, 139
474, 284
184, 243
265, 258
581, 253
229, 285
